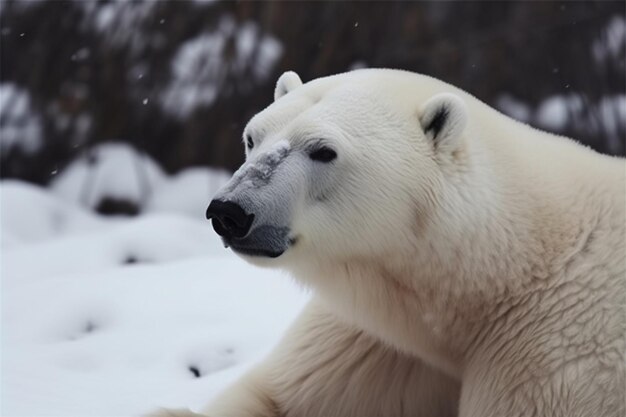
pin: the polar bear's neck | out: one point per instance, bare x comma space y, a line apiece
416, 299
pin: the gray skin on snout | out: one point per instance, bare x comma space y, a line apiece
266, 188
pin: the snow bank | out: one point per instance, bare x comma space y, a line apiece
125, 341
109, 170
116, 170
115, 317
148, 239
29, 213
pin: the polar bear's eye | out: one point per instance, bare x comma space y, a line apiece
323, 154
249, 142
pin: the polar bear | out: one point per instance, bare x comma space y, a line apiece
463, 264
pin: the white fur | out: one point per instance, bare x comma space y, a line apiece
489, 271
450, 135
287, 82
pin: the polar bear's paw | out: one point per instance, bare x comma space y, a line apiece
169, 412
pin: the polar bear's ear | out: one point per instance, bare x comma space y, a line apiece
443, 118
286, 83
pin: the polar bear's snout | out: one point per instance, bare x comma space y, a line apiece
253, 211
229, 219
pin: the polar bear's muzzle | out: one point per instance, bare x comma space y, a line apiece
252, 212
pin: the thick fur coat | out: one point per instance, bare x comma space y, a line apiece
463, 264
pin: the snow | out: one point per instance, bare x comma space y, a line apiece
555, 112
612, 42
269, 50
606, 117
196, 74
108, 170
186, 192
20, 125
201, 65
116, 170
31, 214
113, 316
148, 239
118, 21
611, 112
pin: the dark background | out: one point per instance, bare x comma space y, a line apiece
179, 79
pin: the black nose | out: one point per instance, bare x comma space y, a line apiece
229, 219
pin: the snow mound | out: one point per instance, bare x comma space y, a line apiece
116, 171
133, 339
148, 239
117, 317
188, 192
111, 170
29, 213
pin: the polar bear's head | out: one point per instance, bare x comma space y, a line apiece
342, 167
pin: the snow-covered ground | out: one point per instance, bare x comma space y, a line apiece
118, 316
